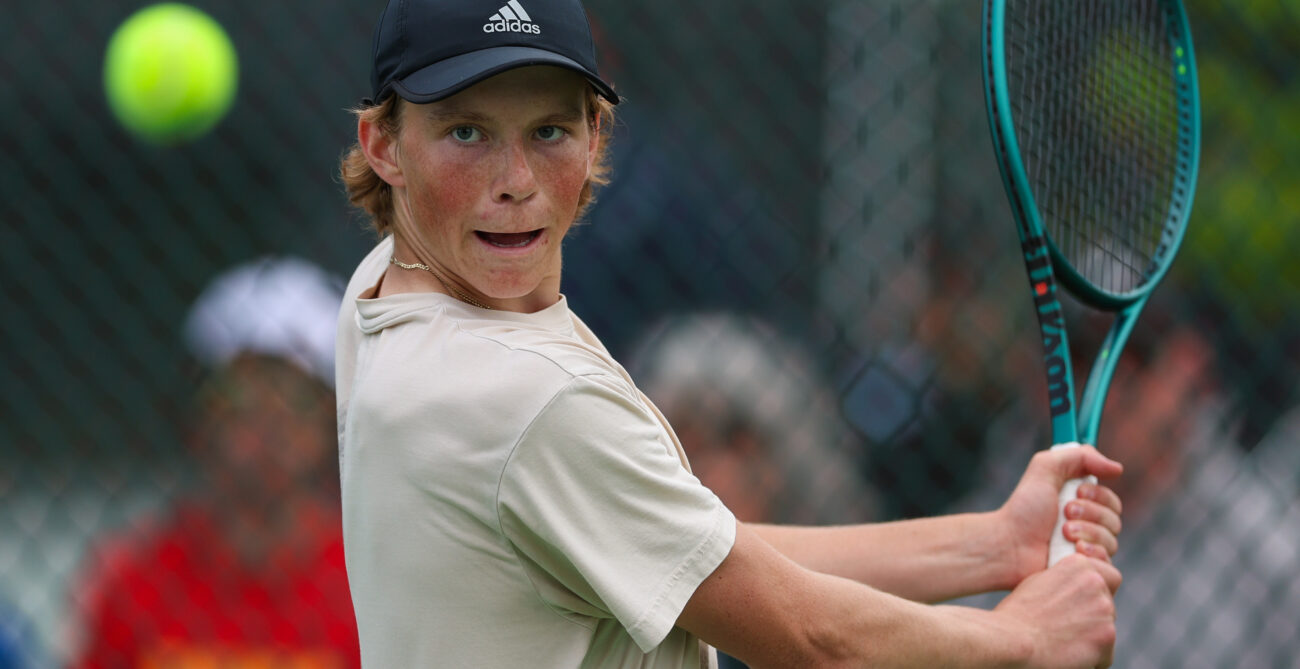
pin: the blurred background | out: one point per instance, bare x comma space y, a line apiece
806, 257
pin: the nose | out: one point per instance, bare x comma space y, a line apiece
517, 181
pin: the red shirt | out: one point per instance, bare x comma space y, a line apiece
176, 596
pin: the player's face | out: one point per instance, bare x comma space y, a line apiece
490, 180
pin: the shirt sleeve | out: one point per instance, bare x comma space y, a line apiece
600, 508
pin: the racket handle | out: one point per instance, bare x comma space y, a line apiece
1059, 547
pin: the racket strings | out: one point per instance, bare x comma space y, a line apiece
1095, 109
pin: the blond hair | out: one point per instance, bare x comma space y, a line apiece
371, 194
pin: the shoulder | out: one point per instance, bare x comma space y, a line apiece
594, 424
456, 372
553, 344
369, 270
573, 384
561, 356
365, 277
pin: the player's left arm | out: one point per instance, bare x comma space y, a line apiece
945, 557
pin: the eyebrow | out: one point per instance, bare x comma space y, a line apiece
571, 115
453, 115
456, 115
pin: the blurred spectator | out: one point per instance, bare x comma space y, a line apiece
924, 400
247, 570
760, 427
1209, 550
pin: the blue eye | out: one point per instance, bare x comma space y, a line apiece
466, 134
550, 133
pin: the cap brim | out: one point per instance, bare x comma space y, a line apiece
453, 75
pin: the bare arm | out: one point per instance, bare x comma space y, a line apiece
924, 560
768, 611
936, 559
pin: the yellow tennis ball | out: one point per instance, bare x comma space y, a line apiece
170, 73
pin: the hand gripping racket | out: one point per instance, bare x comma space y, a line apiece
1095, 116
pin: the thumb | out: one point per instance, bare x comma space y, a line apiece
1072, 461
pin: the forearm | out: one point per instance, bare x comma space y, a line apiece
924, 560
797, 617
870, 628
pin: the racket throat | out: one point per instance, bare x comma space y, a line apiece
1051, 327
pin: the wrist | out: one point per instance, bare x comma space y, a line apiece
1002, 643
1008, 564
1018, 645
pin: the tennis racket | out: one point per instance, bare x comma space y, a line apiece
1095, 116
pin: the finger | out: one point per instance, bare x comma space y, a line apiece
1078, 530
1102, 495
1109, 573
1092, 512
1092, 550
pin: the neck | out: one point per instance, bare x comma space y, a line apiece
411, 271
447, 286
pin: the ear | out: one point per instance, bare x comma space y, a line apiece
380, 149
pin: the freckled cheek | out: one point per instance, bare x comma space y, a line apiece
454, 190
565, 181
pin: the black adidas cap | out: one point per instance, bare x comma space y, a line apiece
427, 50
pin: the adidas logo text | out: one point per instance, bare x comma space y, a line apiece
511, 18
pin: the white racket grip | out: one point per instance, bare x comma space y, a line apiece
1059, 546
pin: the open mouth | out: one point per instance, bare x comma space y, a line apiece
509, 240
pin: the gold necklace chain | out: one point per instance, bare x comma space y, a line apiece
456, 292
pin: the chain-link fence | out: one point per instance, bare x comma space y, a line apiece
805, 218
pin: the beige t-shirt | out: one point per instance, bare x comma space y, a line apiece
510, 499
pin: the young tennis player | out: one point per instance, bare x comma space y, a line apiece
512, 499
